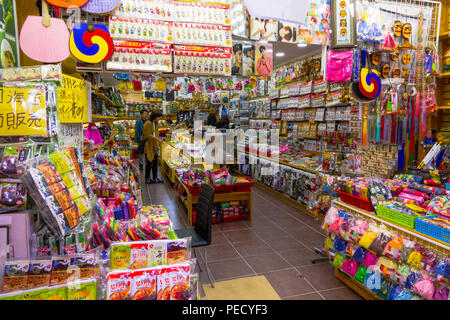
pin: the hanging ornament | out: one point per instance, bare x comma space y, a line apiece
91, 43
101, 6
43, 38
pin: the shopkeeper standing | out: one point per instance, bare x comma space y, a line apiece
152, 142
138, 130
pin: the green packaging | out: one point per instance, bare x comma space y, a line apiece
120, 255
82, 290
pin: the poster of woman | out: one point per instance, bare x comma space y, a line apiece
264, 60
237, 59
316, 28
263, 29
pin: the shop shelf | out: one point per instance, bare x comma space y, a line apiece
356, 201
396, 216
432, 230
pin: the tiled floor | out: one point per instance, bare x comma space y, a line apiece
278, 243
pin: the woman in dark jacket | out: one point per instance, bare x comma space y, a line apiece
212, 120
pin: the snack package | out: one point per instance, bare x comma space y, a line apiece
138, 255
180, 282
59, 274
82, 290
12, 162
157, 252
118, 285
143, 284
379, 244
164, 283
85, 266
33, 294
13, 194
120, 255
39, 273
178, 250
15, 276
57, 292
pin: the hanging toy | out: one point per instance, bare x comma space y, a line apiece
431, 99
388, 43
406, 35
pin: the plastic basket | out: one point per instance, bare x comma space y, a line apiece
244, 186
396, 216
194, 190
432, 230
224, 188
356, 201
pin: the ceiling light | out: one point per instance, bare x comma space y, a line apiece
302, 45
264, 41
280, 54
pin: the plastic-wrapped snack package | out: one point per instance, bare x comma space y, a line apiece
59, 274
387, 266
413, 278
13, 194
138, 255
385, 290
429, 259
10, 295
350, 267
34, 294
164, 283
441, 293
15, 276
120, 254
394, 247
373, 279
180, 281
425, 288
12, 161
61, 161
118, 285
57, 292
331, 216
143, 284
339, 260
442, 269
178, 250
82, 290
408, 248
157, 252
340, 245
367, 239
361, 273
402, 273
83, 266
39, 273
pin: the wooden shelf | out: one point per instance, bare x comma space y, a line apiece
108, 100
108, 118
444, 36
444, 75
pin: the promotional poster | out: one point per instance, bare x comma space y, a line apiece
264, 60
263, 29
248, 59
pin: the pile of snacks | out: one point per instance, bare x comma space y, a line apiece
61, 278
390, 265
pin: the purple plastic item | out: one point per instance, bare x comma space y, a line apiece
101, 6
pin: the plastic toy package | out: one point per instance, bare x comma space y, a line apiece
391, 265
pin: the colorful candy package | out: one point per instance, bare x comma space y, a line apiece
118, 286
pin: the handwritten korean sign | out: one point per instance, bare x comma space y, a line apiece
22, 112
73, 100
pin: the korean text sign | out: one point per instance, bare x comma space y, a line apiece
22, 112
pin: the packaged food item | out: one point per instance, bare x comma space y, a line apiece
15, 276
57, 292
120, 255
180, 282
13, 194
178, 250
118, 286
138, 255
143, 284
39, 273
85, 265
59, 274
33, 294
164, 283
157, 252
12, 161
82, 290
10, 295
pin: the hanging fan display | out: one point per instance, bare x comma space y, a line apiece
45, 39
91, 43
67, 3
368, 85
101, 6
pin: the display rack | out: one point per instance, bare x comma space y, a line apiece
412, 234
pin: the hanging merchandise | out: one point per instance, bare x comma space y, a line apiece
45, 39
202, 60
368, 19
140, 56
91, 43
100, 6
67, 3
368, 86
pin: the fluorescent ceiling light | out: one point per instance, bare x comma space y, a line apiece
280, 54
302, 45
264, 41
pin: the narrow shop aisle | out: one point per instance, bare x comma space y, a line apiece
278, 243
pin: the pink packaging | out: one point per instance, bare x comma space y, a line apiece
411, 197
339, 66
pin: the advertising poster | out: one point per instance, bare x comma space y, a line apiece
316, 28
8, 38
248, 59
236, 68
240, 19
288, 32
264, 60
263, 29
